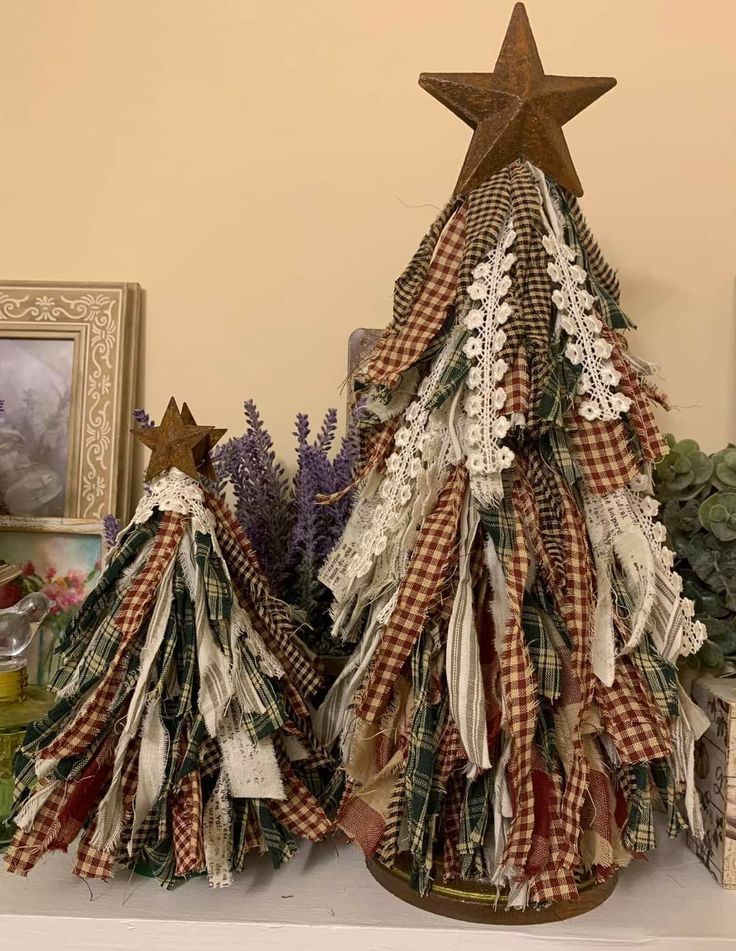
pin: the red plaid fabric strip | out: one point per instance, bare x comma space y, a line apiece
400, 347
419, 592
632, 720
253, 590
91, 862
553, 885
300, 812
27, 848
516, 385
451, 827
640, 412
141, 592
518, 684
82, 732
602, 451
361, 823
575, 604
186, 825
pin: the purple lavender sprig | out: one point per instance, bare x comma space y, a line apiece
263, 502
142, 419
111, 528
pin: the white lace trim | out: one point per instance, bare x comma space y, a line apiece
487, 425
376, 519
172, 491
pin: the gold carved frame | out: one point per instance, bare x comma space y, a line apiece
103, 321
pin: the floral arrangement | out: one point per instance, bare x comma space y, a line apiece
291, 529
698, 496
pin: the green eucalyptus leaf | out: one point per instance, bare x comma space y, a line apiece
710, 655
716, 515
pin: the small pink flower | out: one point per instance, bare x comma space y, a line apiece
50, 572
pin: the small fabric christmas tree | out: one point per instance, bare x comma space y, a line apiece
181, 735
512, 712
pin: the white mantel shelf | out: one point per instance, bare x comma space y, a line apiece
325, 900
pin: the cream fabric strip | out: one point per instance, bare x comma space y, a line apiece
464, 675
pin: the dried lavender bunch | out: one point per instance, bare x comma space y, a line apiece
291, 531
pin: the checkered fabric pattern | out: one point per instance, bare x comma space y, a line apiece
664, 780
549, 514
575, 605
517, 386
458, 367
542, 653
280, 843
451, 826
252, 587
27, 848
474, 818
531, 291
409, 284
400, 347
640, 415
601, 277
632, 721
603, 453
91, 862
419, 592
661, 677
217, 589
488, 208
518, 682
427, 724
300, 812
638, 834
141, 593
186, 825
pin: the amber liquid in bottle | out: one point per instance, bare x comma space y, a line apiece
20, 705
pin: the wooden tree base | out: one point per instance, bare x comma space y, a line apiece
474, 901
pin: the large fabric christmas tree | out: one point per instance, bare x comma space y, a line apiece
181, 738
512, 712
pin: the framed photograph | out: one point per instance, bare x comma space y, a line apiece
59, 557
68, 355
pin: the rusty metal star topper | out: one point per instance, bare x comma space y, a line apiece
173, 444
202, 457
516, 111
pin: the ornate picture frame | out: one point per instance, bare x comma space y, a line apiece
68, 356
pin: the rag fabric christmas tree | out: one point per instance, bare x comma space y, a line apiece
511, 713
180, 738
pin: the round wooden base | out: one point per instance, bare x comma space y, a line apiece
474, 901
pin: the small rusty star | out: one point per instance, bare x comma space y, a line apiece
173, 444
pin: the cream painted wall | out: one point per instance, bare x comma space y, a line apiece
266, 169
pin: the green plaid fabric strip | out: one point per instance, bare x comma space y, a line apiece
661, 677
544, 657
546, 739
638, 834
555, 451
186, 641
420, 761
474, 820
280, 843
217, 588
665, 783
499, 524
455, 372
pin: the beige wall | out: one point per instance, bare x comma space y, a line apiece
265, 170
